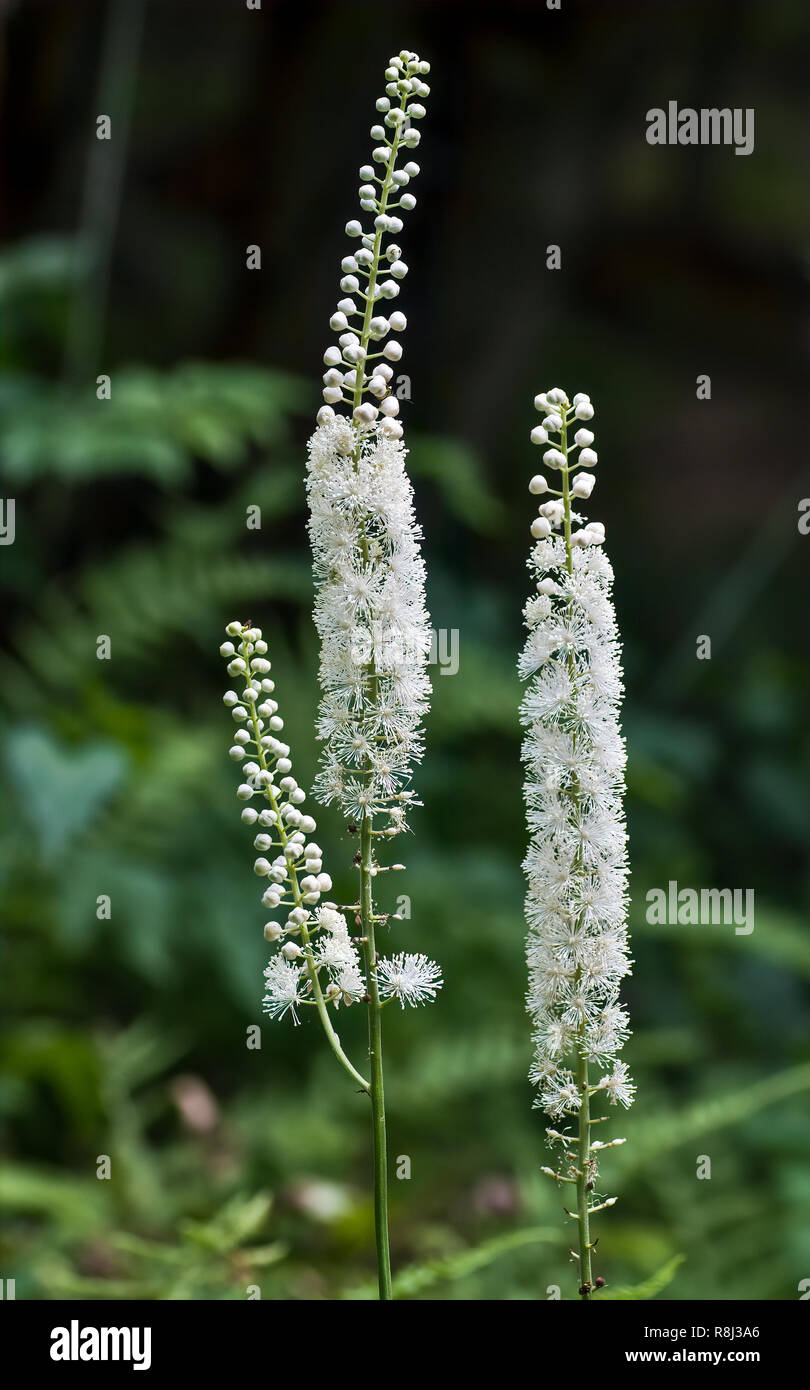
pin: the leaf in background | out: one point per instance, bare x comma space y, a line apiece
61, 789
652, 1137
44, 1055
143, 921
649, 1287
777, 937
144, 596
139, 1054
155, 424
415, 1279
75, 1205
240, 1218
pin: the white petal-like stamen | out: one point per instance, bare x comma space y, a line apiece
412, 979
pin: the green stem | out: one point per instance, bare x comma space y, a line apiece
583, 1084
376, 1062
583, 1165
374, 268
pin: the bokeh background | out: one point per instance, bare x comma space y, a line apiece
126, 1037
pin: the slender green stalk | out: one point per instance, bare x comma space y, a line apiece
583, 1083
583, 1168
374, 268
376, 1064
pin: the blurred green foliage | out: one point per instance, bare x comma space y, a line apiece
126, 1036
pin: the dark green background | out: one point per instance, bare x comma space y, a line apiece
127, 1037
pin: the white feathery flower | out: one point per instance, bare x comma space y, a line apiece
559, 1094
350, 984
370, 615
412, 979
284, 988
335, 950
618, 1086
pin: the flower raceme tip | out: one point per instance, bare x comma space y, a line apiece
360, 364
560, 416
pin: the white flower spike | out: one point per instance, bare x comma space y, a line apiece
370, 608
317, 962
576, 866
370, 601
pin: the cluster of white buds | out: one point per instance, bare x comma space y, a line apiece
560, 417
359, 368
317, 960
574, 756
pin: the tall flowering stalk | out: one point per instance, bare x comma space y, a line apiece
370, 580
576, 865
370, 613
